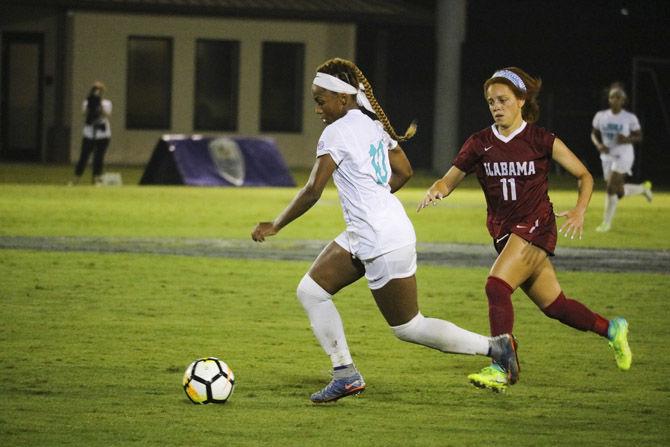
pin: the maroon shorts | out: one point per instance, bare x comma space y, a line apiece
540, 232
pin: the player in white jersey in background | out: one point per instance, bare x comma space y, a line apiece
359, 149
614, 132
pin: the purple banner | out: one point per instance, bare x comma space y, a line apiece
220, 161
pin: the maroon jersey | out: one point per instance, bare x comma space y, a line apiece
512, 172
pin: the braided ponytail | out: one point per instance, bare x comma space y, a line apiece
346, 70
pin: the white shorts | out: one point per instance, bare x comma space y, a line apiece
399, 263
621, 162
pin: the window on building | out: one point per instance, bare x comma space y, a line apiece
149, 83
216, 84
282, 87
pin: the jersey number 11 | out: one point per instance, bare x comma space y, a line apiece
508, 188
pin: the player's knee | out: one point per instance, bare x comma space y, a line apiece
409, 331
556, 309
497, 289
616, 191
310, 293
616, 186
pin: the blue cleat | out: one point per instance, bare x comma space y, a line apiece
505, 367
503, 353
339, 388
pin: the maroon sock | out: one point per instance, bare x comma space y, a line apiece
576, 315
501, 312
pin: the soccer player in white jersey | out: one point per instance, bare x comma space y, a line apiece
359, 149
614, 132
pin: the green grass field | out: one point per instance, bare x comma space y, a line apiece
93, 345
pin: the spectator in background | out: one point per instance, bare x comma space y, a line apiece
614, 132
96, 134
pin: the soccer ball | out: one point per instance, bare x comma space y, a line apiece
208, 380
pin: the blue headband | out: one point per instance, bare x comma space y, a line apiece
511, 77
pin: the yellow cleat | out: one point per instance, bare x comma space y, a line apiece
492, 377
617, 332
603, 228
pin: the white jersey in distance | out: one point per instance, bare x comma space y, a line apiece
610, 125
376, 220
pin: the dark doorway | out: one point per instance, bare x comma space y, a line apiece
22, 96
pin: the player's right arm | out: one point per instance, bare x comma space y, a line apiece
302, 202
597, 140
442, 187
596, 135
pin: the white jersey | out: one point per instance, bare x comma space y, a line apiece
101, 128
376, 220
610, 125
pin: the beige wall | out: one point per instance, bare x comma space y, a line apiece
98, 51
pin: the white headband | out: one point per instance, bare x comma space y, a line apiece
512, 77
617, 89
337, 85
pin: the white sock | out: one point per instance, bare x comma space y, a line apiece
325, 320
610, 208
441, 335
631, 189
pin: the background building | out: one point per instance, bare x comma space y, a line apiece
196, 67
237, 67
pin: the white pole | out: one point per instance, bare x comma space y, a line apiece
450, 33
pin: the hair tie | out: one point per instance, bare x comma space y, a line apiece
362, 100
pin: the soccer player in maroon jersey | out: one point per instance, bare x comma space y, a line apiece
511, 159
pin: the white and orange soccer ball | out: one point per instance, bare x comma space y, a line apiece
208, 380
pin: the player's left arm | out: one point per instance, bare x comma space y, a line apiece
634, 137
401, 168
106, 108
574, 222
